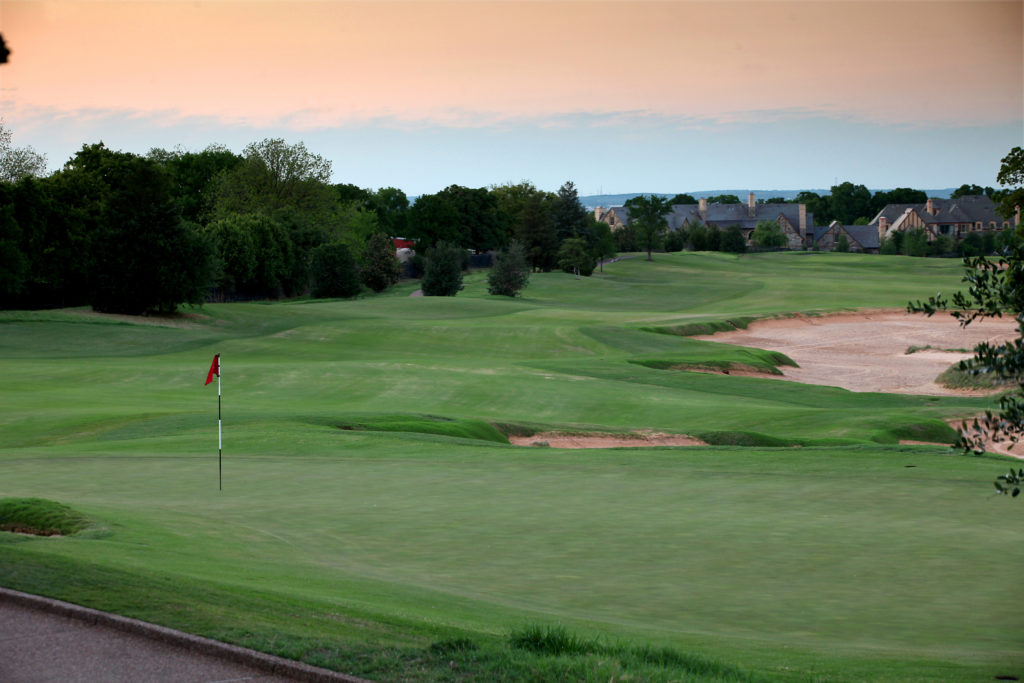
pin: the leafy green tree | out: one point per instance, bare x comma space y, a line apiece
768, 235
510, 273
675, 240
995, 287
458, 215
354, 225
442, 275
733, 241
698, 237
334, 272
626, 239
899, 195
1011, 175
536, 232
849, 202
647, 217
775, 200
941, 245
820, 206
18, 162
971, 190
973, 244
915, 242
893, 244
274, 175
724, 199
573, 257
234, 252
843, 243
13, 261
195, 177
714, 238
347, 193
59, 216
392, 209
682, 199
146, 259
604, 243
380, 267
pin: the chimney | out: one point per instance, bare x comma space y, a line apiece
883, 226
803, 220
703, 208
598, 213
930, 206
751, 205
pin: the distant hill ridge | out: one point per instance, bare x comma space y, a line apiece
594, 200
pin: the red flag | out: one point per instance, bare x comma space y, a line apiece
214, 369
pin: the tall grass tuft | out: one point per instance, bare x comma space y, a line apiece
557, 641
40, 516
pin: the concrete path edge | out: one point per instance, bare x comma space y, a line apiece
233, 653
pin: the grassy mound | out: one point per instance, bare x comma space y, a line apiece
701, 328
768, 367
956, 377
40, 517
426, 424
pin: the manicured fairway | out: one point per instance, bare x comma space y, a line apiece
370, 509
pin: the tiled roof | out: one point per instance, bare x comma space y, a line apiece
970, 209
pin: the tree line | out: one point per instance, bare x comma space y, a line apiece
132, 233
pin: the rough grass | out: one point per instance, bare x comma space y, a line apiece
957, 377
557, 641
40, 517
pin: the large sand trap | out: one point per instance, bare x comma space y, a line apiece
867, 351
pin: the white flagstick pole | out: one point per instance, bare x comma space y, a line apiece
219, 441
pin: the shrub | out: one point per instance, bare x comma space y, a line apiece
915, 242
442, 275
768, 235
675, 240
574, 258
381, 268
843, 244
334, 271
733, 242
511, 272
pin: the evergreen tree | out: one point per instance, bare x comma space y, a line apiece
442, 275
381, 268
511, 272
568, 215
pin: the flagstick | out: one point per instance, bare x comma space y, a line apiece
219, 442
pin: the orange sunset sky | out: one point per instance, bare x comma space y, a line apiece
618, 96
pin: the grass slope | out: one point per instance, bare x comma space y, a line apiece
375, 520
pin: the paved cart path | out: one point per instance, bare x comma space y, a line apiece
44, 640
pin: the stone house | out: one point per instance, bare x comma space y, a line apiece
862, 238
954, 218
793, 219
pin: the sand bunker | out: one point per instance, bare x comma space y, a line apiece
867, 351
562, 440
